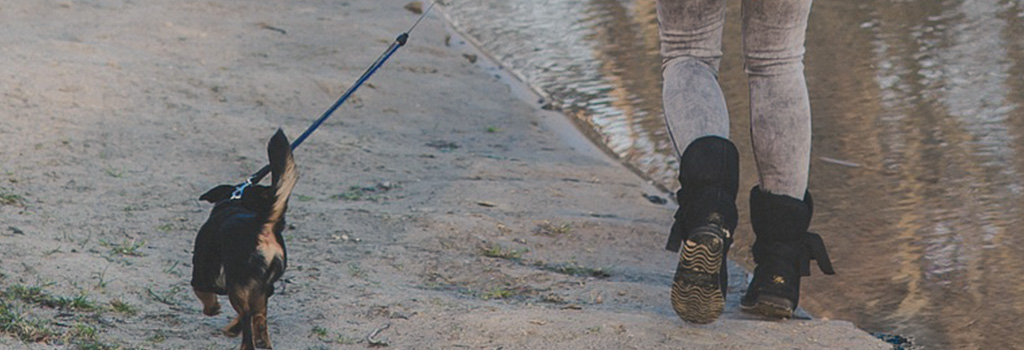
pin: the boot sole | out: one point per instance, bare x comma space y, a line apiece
696, 289
770, 306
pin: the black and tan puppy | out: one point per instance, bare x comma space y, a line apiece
239, 251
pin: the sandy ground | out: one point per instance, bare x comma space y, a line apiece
436, 202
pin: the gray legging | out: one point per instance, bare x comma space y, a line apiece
773, 49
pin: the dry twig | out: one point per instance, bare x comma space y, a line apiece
371, 338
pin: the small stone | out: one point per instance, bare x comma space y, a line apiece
415, 7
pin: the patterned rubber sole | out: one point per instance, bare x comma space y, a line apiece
696, 289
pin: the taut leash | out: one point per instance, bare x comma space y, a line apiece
397, 43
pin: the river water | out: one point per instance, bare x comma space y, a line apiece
918, 150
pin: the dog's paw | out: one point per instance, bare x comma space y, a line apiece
261, 332
233, 329
212, 310
230, 333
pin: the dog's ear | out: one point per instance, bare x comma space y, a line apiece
218, 193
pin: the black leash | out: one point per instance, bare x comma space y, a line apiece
399, 42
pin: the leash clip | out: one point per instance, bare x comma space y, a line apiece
240, 189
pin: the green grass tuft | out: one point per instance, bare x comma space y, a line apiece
36, 295
497, 251
125, 248
574, 269
497, 293
78, 303
319, 332
551, 229
16, 324
7, 198
124, 308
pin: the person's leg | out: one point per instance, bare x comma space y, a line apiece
780, 111
691, 51
780, 123
697, 120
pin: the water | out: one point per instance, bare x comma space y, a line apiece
918, 142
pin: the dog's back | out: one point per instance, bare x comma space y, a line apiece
234, 246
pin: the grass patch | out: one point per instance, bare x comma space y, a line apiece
552, 229
324, 335
552, 298
356, 271
86, 337
497, 293
114, 172
574, 269
30, 295
507, 290
80, 334
157, 338
352, 195
132, 207
37, 296
497, 251
7, 198
100, 277
304, 198
165, 227
173, 270
93, 344
345, 340
125, 248
17, 325
78, 303
319, 332
166, 298
123, 308
370, 193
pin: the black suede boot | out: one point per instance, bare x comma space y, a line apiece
709, 176
783, 250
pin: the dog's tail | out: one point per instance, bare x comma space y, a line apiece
284, 175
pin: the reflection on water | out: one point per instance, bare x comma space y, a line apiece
596, 59
918, 149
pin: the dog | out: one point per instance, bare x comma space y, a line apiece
239, 251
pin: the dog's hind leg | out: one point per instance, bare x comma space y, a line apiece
210, 305
258, 303
248, 343
235, 326
240, 297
